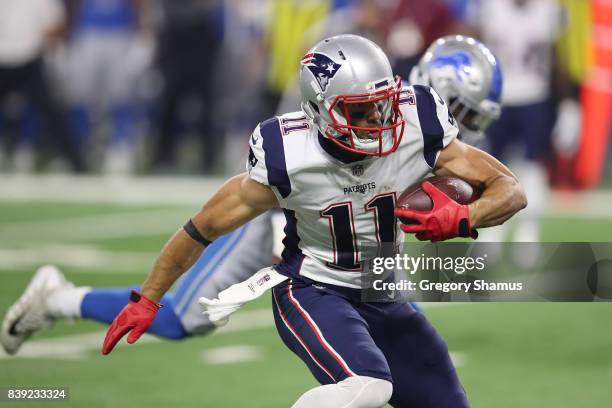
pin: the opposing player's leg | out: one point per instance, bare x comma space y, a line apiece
322, 327
230, 259
423, 373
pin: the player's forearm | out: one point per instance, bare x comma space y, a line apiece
179, 254
238, 201
502, 198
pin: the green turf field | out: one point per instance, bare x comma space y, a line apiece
508, 354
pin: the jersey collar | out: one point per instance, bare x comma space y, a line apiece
337, 152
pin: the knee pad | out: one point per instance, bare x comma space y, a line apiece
367, 392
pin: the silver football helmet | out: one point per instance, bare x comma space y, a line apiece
468, 76
345, 78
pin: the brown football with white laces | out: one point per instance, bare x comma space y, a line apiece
414, 198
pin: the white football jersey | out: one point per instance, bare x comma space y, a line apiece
523, 39
339, 208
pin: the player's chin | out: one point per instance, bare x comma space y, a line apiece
368, 136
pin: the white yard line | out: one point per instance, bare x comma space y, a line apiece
458, 358
82, 257
231, 354
92, 227
99, 189
585, 205
196, 190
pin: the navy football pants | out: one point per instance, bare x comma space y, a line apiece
338, 336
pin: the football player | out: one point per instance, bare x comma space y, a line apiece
354, 113
233, 257
466, 74
522, 135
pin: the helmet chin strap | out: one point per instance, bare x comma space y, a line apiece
326, 105
317, 119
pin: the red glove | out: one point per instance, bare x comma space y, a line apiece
447, 219
136, 316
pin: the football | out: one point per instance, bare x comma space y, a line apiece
415, 198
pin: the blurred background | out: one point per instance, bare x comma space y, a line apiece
175, 87
119, 118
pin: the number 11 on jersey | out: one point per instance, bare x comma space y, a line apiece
344, 236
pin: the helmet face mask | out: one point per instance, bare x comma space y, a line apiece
471, 116
349, 92
367, 123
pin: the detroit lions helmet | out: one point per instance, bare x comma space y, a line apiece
345, 74
468, 77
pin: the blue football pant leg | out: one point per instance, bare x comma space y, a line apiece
422, 371
103, 305
526, 128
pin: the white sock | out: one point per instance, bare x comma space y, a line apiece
354, 392
66, 302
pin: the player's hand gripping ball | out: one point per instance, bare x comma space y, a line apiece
436, 209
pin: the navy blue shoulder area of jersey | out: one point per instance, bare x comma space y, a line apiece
275, 156
433, 133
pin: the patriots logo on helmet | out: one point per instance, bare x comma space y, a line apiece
322, 67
